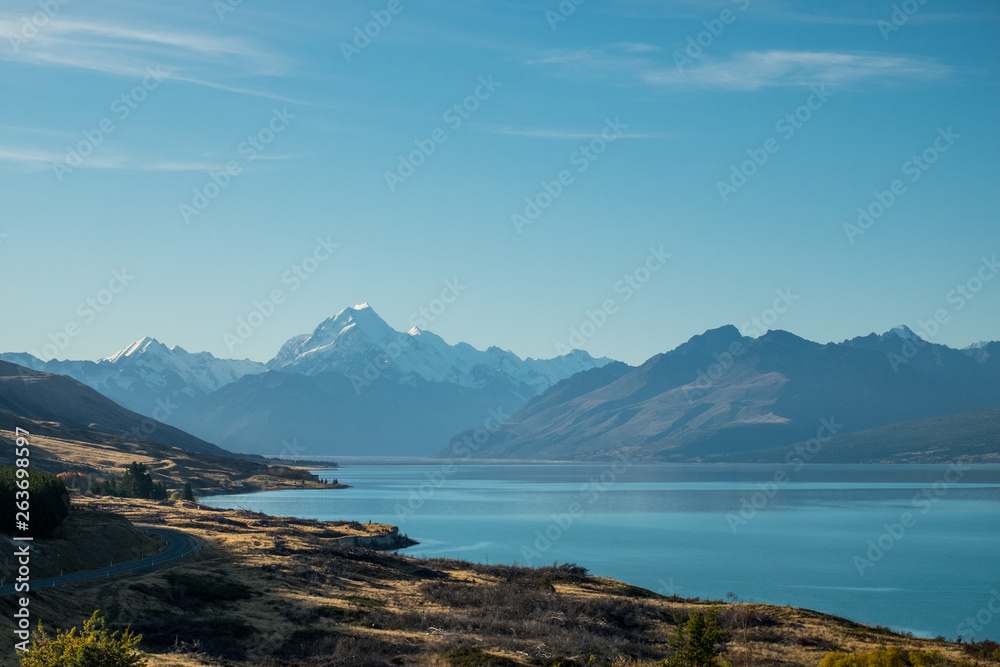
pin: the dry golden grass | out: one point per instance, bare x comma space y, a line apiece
207, 473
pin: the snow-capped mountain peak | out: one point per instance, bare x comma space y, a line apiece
362, 316
356, 340
153, 362
146, 375
142, 346
904, 332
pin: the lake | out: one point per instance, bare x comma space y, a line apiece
912, 547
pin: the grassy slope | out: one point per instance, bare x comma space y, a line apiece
265, 588
105, 454
86, 540
60, 406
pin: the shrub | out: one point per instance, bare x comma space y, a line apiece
94, 647
885, 657
698, 642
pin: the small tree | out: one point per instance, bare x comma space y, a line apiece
697, 643
187, 493
96, 646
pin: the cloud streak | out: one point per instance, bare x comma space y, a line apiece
571, 134
102, 46
38, 160
748, 71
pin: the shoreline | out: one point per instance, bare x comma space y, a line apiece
904, 627
271, 571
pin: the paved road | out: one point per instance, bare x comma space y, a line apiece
181, 544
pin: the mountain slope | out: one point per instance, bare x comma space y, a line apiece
60, 406
355, 386
327, 414
969, 437
721, 393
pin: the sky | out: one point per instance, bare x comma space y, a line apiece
614, 176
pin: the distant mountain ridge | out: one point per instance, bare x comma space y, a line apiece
355, 386
147, 376
721, 393
60, 406
412, 389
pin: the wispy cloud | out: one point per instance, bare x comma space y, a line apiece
571, 134
748, 71
111, 48
634, 47
34, 160
766, 69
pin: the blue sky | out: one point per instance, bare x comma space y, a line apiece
643, 109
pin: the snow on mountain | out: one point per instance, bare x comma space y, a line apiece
152, 360
357, 342
147, 375
903, 332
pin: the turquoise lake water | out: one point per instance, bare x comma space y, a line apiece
914, 548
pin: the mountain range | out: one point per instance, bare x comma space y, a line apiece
147, 376
354, 385
722, 394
